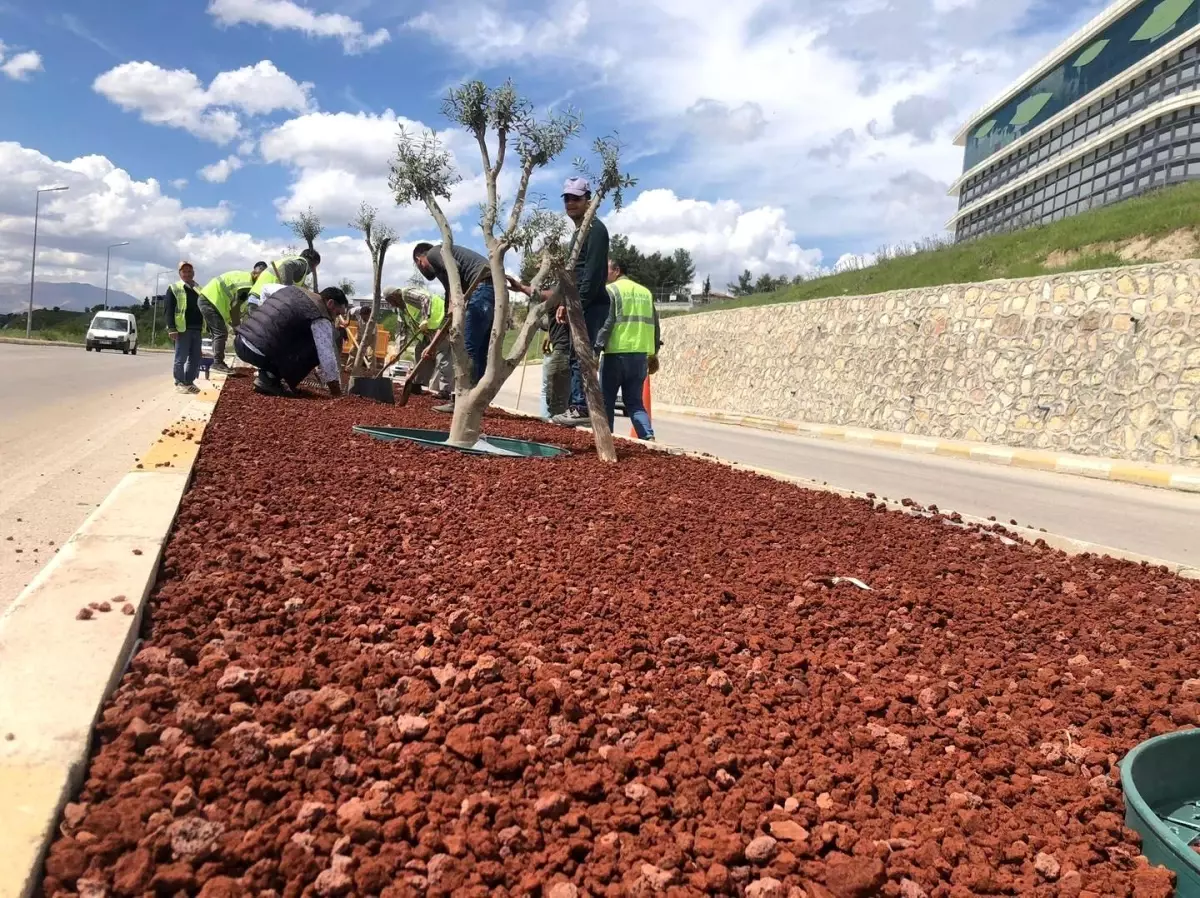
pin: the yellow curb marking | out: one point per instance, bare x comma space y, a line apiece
1144, 476
175, 450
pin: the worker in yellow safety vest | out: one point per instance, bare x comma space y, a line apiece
629, 340
426, 312
221, 301
185, 327
288, 271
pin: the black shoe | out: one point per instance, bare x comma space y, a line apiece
418, 390
268, 386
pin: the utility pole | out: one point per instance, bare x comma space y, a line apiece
107, 261
154, 317
37, 201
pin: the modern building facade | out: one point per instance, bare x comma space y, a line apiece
1112, 112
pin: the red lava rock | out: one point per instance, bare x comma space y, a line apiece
132, 872
766, 888
222, 887
1046, 865
552, 805
444, 704
127, 609
788, 831
193, 838
84, 614
409, 727
854, 877
67, 861
464, 742
1153, 882
761, 850
137, 551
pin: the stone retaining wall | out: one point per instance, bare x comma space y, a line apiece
1103, 363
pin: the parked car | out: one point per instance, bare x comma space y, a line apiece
112, 330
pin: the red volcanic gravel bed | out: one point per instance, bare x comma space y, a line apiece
377, 669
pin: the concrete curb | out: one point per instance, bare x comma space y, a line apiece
1065, 544
56, 671
21, 341
1144, 474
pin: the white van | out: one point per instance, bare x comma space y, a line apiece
113, 330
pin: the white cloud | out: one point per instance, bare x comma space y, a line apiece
178, 99
341, 159
716, 89
259, 89
479, 28
22, 65
722, 237
105, 204
179, 183
284, 15
219, 172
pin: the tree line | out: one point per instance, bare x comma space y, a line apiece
663, 274
746, 285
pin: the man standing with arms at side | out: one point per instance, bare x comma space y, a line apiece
591, 276
481, 304
629, 339
221, 303
185, 327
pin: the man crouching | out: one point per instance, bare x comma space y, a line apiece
291, 334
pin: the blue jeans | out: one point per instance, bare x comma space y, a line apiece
481, 309
626, 372
187, 357
594, 317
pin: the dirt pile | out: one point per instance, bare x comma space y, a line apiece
366, 673
1181, 244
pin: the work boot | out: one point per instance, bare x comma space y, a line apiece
268, 386
447, 409
221, 368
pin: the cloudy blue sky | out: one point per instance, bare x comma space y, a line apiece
775, 135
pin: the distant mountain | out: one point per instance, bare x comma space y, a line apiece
76, 297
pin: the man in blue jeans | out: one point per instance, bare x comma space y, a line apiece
481, 304
630, 340
185, 327
591, 274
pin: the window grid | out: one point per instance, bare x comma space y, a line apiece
1151, 156
1172, 76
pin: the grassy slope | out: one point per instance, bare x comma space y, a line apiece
1015, 255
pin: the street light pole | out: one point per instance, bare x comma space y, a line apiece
37, 201
154, 319
107, 261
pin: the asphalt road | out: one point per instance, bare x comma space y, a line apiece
1159, 523
72, 425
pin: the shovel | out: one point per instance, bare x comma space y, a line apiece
377, 388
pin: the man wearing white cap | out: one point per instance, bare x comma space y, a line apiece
591, 280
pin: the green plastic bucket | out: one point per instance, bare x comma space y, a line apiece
1161, 781
486, 446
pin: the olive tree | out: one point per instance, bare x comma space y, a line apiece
307, 226
503, 123
379, 238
